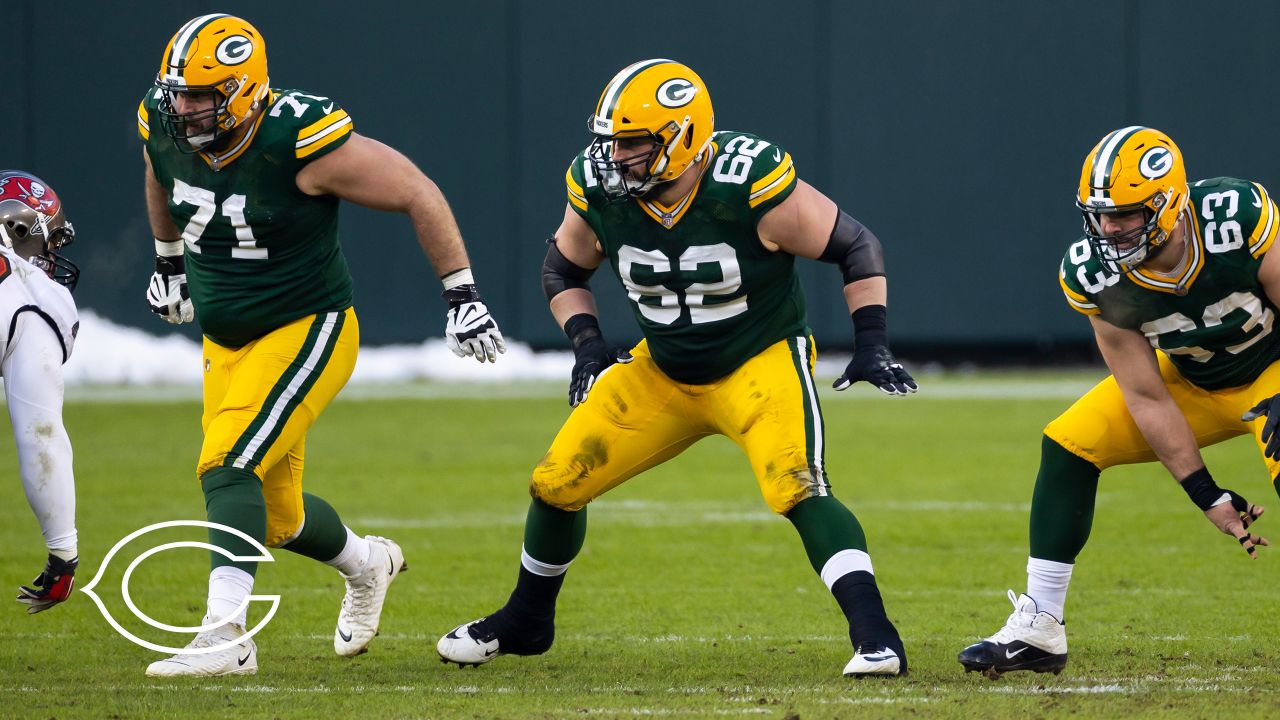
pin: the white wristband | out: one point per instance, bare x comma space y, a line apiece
168, 248
458, 277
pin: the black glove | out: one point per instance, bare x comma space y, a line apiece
1271, 408
591, 356
872, 360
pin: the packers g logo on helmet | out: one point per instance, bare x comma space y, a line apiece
658, 99
234, 50
219, 64
1155, 163
1131, 170
676, 93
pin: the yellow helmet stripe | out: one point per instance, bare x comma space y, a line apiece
176, 61
609, 99
1105, 159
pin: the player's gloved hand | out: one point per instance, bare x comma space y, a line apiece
51, 586
167, 294
469, 329
872, 360
1271, 409
1226, 509
591, 356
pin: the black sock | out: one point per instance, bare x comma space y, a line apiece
859, 599
534, 598
526, 624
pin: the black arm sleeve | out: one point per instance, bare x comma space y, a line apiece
855, 249
560, 274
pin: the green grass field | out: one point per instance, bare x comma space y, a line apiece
690, 599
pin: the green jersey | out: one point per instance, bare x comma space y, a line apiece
1214, 320
260, 253
707, 294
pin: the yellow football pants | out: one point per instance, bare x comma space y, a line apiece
260, 400
636, 417
1099, 429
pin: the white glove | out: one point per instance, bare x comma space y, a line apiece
469, 328
167, 295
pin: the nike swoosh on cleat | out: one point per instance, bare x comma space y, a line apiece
346, 636
490, 653
1009, 655
245, 659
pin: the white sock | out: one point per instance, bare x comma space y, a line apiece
843, 563
537, 567
353, 556
65, 554
228, 587
1047, 584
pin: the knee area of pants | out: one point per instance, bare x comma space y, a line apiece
784, 504
783, 489
278, 536
211, 481
556, 493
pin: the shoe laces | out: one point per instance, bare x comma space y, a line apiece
360, 589
1018, 621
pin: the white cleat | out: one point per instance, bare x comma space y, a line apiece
362, 605
239, 659
873, 660
1030, 640
458, 646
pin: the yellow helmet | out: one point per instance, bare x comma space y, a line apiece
659, 99
218, 55
1133, 169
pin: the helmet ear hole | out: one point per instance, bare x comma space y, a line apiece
688, 137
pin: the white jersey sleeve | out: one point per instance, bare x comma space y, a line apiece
24, 289
38, 324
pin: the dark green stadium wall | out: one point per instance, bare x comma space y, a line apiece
954, 130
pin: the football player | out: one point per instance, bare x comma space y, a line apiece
243, 186
1181, 290
703, 228
40, 323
